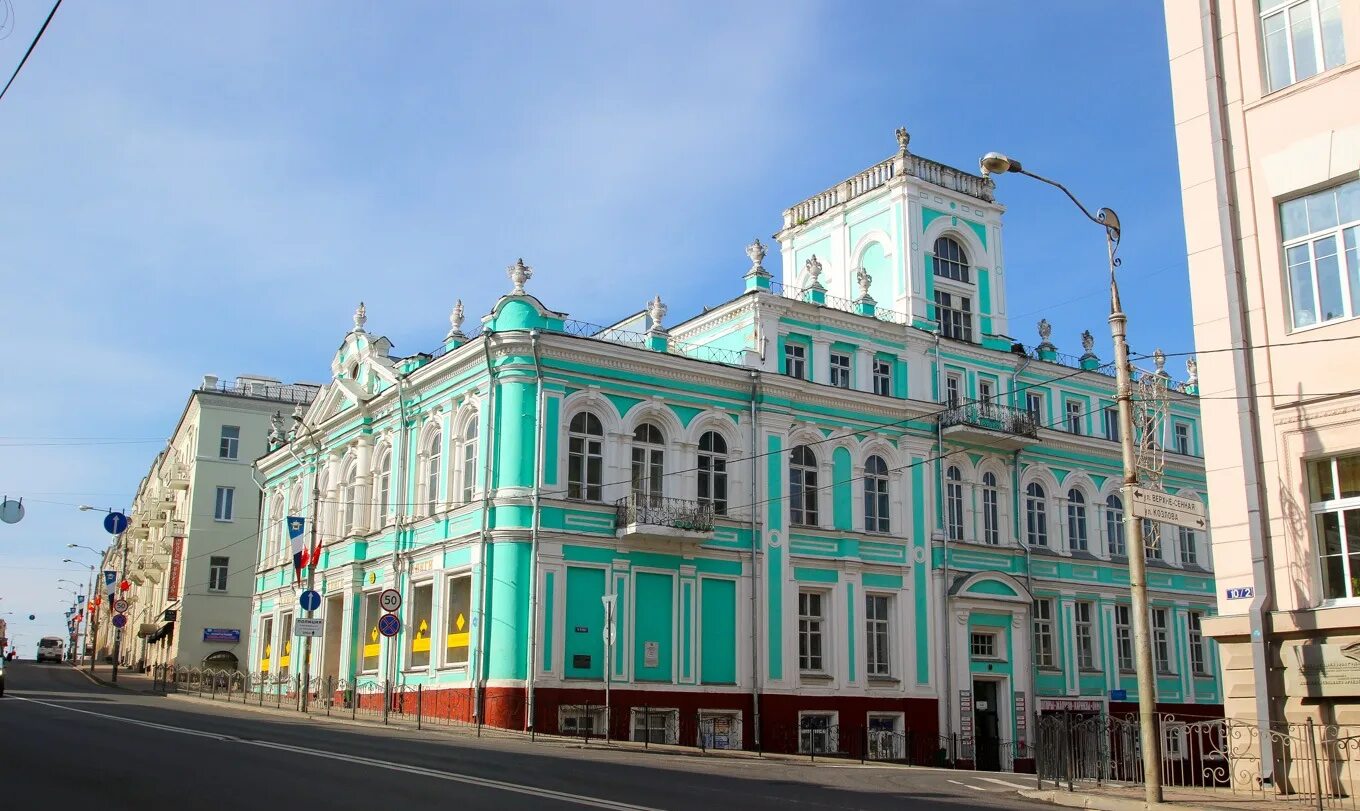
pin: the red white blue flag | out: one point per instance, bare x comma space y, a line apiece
296, 525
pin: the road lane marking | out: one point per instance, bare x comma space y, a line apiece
966, 785
1005, 783
482, 782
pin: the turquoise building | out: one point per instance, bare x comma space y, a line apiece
842, 509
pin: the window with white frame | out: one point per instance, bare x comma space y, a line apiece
954, 313
1074, 412
810, 631
585, 458
384, 487
370, 642
218, 567
1114, 525
458, 620
1036, 515
982, 645
1123, 637
648, 463
277, 531
1076, 520
1300, 38
953, 503
877, 633
1321, 235
1044, 653
230, 446
886, 741
1161, 640
1152, 540
1188, 543
803, 486
420, 624
1034, 404
1198, 662
876, 495
434, 470
951, 260
349, 486
655, 726
719, 730
817, 733
1083, 615
1181, 438
1110, 416
953, 389
840, 370
991, 510
584, 720
986, 393
470, 459
882, 377
795, 360
224, 506
1334, 508
712, 479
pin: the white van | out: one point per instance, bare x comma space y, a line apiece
51, 648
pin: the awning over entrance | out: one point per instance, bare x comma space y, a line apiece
165, 630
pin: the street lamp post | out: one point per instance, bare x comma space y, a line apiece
995, 163
122, 573
312, 548
89, 595
91, 638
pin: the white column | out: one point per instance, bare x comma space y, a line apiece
821, 361
864, 370
363, 488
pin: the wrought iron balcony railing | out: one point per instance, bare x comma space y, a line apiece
677, 513
993, 417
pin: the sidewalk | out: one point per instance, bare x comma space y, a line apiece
127, 679
1130, 798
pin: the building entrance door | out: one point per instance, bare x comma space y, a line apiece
986, 726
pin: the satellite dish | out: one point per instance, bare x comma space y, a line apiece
11, 512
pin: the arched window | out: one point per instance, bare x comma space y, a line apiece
1076, 520
991, 513
384, 499
875, 495
325, 509
951, 261
953, 504
585, 457
649, 453
349, 499
803, 486
434, 449
280, 531
1036, 515
713, 472
1114, 525
469, 459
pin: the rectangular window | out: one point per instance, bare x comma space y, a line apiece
982, 646
285, 644
1075, 411
1161, 640
840, 370
1334, 508
810, 642
1188, 544
817, 733
953, 389
266, 644
370, 639
1034, 404
231, 442
1123, 636
217, 573
986, 394
1084, 613
1198, 663
655, 726
1044, 655
458, 621
420, 624
1322, 251
223, 510
883, 378
1294, 33
1182, 438
795, 360
575, 719
1111, 419
954, 314
876, 633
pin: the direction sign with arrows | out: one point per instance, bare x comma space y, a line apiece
1158, 506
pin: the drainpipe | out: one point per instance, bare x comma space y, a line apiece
1244, 373
539, 429
1032, 711
480, 664
755, 563
944, 589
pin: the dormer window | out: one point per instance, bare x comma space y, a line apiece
951, 261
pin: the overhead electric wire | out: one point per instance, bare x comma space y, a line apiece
31, 46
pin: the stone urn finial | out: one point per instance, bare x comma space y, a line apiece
903, 138
656, 310
1159, 359
813, 268
1088, 341
1045, 330
1191, 371
455, 321
360, 317
519, 273
863, 279
756, 252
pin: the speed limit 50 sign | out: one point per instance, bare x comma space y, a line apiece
390, 600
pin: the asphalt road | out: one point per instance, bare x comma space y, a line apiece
66, 742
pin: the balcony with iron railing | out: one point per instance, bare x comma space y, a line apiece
644, 516
996, 425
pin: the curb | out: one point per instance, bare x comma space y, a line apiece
102, 682
1106, 803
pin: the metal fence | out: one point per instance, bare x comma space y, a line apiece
1315, 765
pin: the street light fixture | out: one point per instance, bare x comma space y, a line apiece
996, 163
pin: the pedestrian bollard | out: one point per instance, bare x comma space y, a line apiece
420, 704
647, 725
386, 700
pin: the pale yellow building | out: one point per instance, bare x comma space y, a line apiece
1267, 114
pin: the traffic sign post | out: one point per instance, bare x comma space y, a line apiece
389, 600
1158, 506
120, 605
389, 625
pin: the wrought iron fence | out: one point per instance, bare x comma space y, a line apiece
679, 513
993, 417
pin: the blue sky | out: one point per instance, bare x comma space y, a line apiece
197, 188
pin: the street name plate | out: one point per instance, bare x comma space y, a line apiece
307, 626
1158, 506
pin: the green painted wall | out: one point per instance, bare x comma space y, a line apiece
508, 617
718, 631
842, 502
653, 621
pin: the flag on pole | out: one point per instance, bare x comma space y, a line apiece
295, 528
110, 585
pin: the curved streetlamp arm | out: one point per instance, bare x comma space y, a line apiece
1104, 217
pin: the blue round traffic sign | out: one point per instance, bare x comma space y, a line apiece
389, 625
119, 620
115, 523
310, 600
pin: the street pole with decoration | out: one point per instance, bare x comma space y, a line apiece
116, 524
313, 552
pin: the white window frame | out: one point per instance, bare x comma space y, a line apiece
839, 369
583, 447
1115, 541
1180, 438
224, 507
953, 389
712, 472
1199, 653
1123, 637
828, 741
877, 500
1078, 527
1036, 516
882, 377
1084, 631
1110, 415
1045, 637
983, 645
1034, 404
1343, 510
647, 463
953, 503
218, 573
1309, 241
795, 358
230, 446
733, 719
804, 506
639, 719
570, 715
954, 315
1285, 10
1161, 640
878, 657
991, 509
1074, 416
469, 457
1187, 543
813, 627
433, 478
